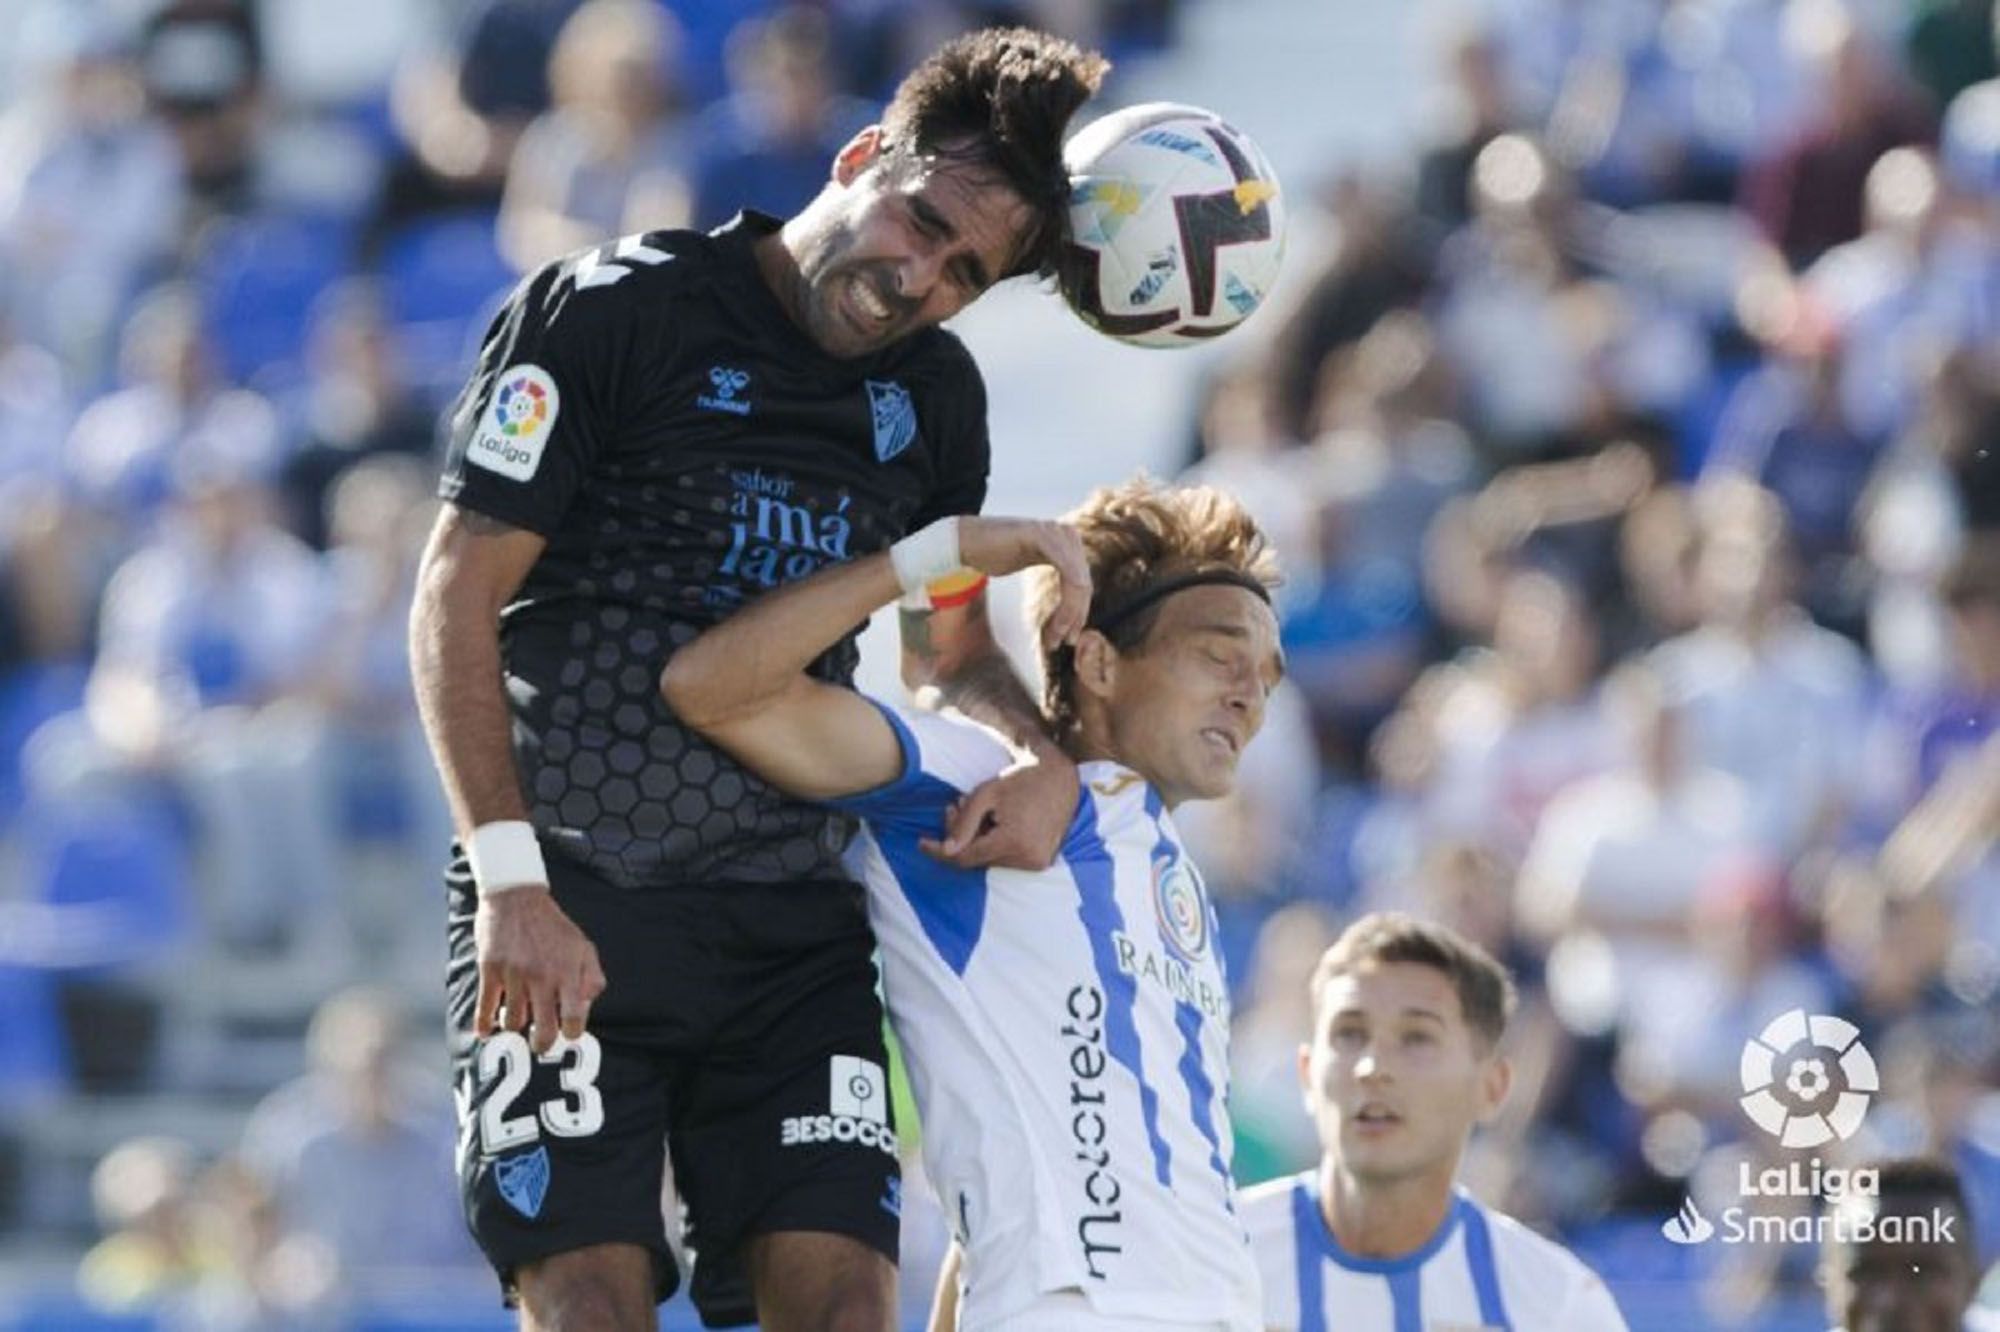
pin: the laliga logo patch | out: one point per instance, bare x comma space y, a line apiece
1182, 909
515, 429
524, 1181
521, 407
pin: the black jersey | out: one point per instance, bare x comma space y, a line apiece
649, 407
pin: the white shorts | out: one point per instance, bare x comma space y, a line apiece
1071, 1311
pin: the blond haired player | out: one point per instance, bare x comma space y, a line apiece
1066, 1030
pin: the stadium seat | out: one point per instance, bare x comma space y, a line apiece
34, 1054
112, 881
29, 697
259, 277
65, 1312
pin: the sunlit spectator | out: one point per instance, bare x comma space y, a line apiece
1937, 487
378, 765
1768, 696
1746, 965
1554, 356
766, 145
124, 446
460, 108
1526, 722
1625, 856
1785, 430
357, 1151
202, 63
357, 404
266, 1278
1874, 289
1380, 261
610, 157
1808, 194
1474, 110
90, 191
143, 1193
206, 640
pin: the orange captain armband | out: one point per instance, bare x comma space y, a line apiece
957, 588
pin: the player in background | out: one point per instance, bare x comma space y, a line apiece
1403, 1063
660, 430
1066, 1031
1921, 1280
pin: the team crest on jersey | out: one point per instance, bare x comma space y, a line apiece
514, 429
895, 417
1182, 908
524, 1181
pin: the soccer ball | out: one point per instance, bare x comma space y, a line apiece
1177, 226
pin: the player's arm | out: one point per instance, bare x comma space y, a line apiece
536, 958
743, 682
471, 568
1018, 818
944, 1303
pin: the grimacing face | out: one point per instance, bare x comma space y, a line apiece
895, 246
1394, 1078
1183, 704
1901, 1287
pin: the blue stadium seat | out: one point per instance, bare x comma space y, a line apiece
52, 1311
114, 875
29, 697
444, 277
34, 1052
259, 277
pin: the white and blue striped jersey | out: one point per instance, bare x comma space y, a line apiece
1482, 1271
1066, 1034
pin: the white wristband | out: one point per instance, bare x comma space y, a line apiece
505, 855
923, 557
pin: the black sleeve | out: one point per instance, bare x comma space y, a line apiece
542, 405
964, 450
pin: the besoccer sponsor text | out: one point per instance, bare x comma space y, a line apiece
857, 1109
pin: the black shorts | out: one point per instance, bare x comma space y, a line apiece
739, 1030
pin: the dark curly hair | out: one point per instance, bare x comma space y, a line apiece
1000, 99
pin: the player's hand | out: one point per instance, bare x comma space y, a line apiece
537, 972
1015, 821
1000, 546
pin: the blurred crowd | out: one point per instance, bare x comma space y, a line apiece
1634, 454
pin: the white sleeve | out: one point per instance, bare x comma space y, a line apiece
944, 756
954, 748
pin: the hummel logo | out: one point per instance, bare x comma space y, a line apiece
728, 382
